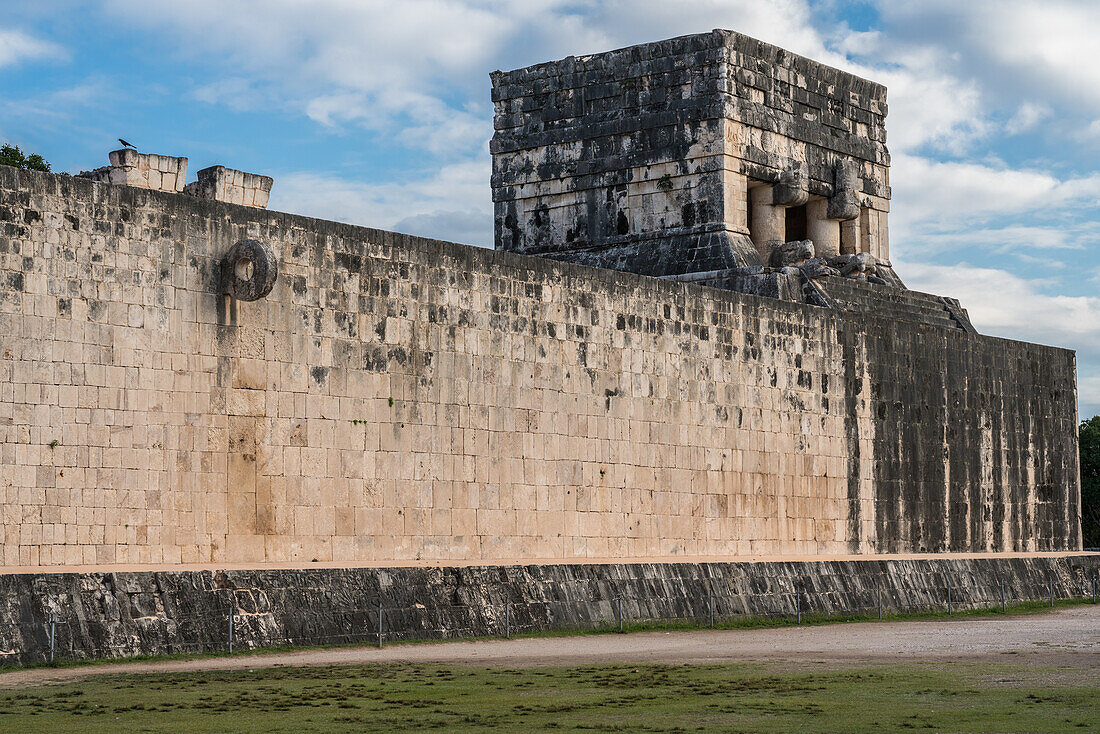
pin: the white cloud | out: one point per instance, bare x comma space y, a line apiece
1027, 117
1008, 305
235, 93
456, 194
1018, 239
930, 107
388, 67
1014, 46
16, 46
417, 120
468, 227
1088, 393
1046, 41
961, 194
860, 43
50, 108
1090, 132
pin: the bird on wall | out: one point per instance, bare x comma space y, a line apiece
128, 145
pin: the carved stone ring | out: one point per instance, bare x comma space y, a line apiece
250, 270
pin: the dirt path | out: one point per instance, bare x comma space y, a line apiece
1067, 638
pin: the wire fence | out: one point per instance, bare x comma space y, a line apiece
229, 628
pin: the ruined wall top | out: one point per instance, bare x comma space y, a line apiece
142, 170
232, 186
128, 167
652, 155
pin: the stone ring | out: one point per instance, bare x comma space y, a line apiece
250, 270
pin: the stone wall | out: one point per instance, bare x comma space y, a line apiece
688, 155
142, 170
98, 615
231, 186
399, 399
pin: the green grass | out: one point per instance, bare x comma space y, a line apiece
751, 698
721, 623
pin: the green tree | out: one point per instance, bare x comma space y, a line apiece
1090, 482
10, 155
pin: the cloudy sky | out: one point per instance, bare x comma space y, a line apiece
378, 113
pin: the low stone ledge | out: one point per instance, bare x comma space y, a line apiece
99, 615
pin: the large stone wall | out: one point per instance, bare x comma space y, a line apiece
398, 399
98, 615
693, 154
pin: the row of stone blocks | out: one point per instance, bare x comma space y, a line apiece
893, 303
98, 615
168, 173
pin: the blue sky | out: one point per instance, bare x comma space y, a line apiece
378, 113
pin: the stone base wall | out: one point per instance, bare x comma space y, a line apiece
121, 614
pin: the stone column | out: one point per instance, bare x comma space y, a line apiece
767, 225
824, 232
849, 237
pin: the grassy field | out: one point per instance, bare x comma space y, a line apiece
750, 698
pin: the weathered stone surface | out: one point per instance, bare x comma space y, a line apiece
816, 268
665, 142
122, 614
395, 398
250, 271
791, 253
231, 186
141, 170
844, 203
861, 262
792, 189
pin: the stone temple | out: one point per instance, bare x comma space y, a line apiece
688, 368
691, 157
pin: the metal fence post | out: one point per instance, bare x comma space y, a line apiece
1094, 587
710, 605
1050, 586
231, 617
1004, 608
379, 625
949, 596
879, 594
507, 619
798, 603
619, 611
53, 623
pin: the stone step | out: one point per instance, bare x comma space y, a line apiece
884, 302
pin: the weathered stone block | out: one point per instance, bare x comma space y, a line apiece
231, 186
660, 145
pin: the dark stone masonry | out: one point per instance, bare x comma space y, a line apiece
123, 614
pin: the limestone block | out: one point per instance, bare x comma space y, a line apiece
792, 188
844, 203
823, 231
142, 170
226, 184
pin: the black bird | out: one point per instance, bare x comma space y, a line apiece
128, 145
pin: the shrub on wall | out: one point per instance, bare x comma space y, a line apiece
10, 155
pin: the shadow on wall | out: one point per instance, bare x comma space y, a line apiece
1090, 482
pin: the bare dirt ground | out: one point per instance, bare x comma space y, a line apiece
1065, 638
